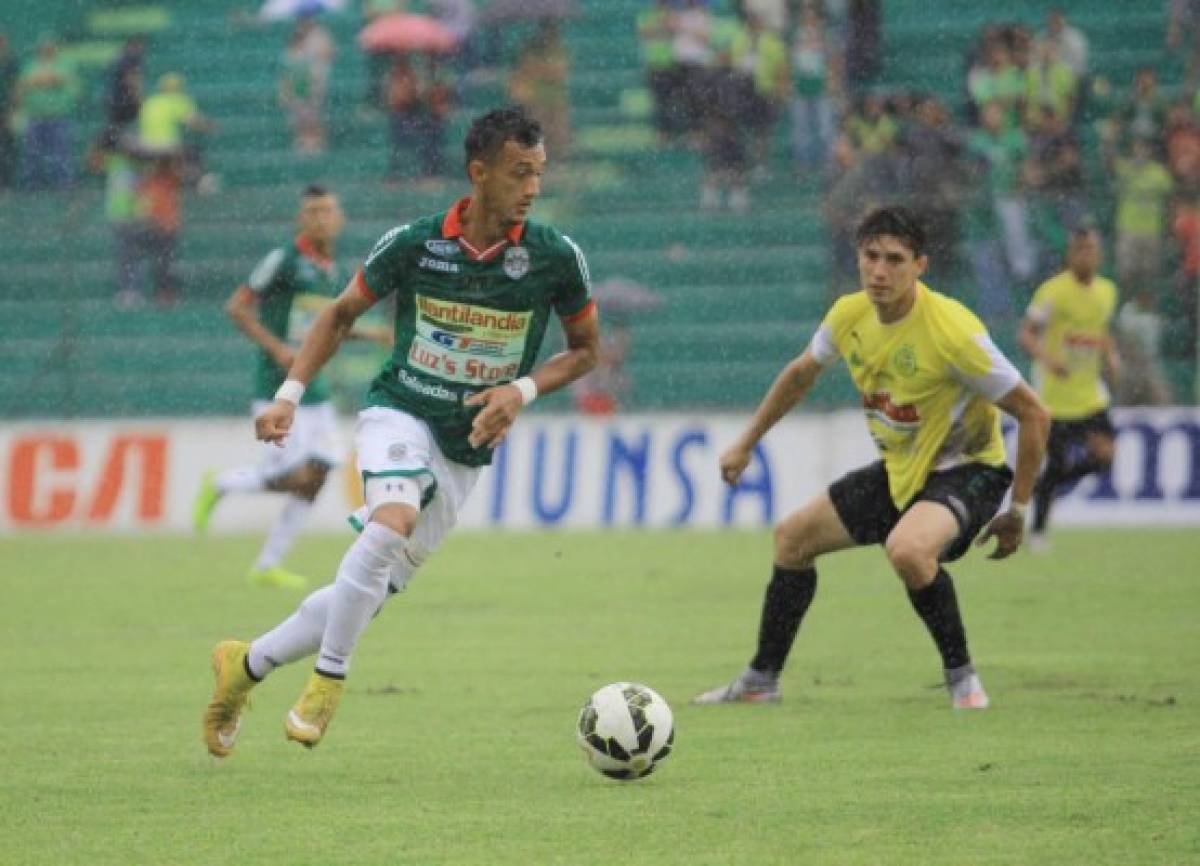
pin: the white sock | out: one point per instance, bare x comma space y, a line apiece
296, 637
358, 593
246, 479
287, 526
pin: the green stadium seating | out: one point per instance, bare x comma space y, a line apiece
740, 295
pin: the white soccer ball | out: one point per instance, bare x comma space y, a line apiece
625, 730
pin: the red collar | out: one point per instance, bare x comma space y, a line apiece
452, 229
306, 248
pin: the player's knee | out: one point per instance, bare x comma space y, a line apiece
793, 545
312, 480
398, 517
912, 560
1103, 451
394, 501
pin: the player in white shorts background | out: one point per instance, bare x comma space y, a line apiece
274, 308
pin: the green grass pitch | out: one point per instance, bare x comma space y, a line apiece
454, 743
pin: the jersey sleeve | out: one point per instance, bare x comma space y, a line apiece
266, 273
383, 271
824, 350
1041, 305
980, 365
574, 295
824, 346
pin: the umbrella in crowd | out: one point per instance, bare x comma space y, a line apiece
278, 10
407, 33
515, 10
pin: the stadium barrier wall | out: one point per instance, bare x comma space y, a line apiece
654, 471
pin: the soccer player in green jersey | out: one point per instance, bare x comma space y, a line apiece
474, 290
274, 308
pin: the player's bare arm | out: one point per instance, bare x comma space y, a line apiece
1030, 338
1033, 426
1112, 359
242, 308
789, 388
331, 327
502, 403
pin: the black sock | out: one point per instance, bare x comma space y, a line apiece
788, 596
1081, 468
937, 606
1056, 475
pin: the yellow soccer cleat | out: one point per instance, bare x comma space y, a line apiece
277, 577
207, 498
307, 720
223, 718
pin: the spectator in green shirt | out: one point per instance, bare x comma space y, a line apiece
110, 156
1143, 186
760, 56
165, 115
658, 59
814, 80
1049, 83
997, 80
165, 118
48, 91
1144, 113
1002, 151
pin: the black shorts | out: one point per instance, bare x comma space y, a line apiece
1065, 435
973, 493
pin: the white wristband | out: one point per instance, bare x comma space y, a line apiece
292, 391
1021, 509
528, 389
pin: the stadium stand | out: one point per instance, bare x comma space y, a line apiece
740, 294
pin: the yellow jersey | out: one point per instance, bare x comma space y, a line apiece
1074, 319
927, 382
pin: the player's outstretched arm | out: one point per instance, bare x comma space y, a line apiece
502, 403
320, 344
1033, 426
789, 388
1112, 359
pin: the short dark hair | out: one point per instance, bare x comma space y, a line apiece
314, 190
490, 131
894, 220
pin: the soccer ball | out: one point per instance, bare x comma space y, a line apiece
625, 730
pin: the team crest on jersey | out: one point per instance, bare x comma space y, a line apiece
442, 248
516, 262
904, 360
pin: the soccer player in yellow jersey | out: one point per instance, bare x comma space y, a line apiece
1066, 333
930, 380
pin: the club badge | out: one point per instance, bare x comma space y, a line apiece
516, 262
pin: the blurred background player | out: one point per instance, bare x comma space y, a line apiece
274, 309
930, 379
475, 287
1066, 333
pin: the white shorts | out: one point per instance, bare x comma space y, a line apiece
313, 438
390, 442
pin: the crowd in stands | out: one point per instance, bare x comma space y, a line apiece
1038, 147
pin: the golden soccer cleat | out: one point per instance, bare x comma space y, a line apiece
307, 720
223, 718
